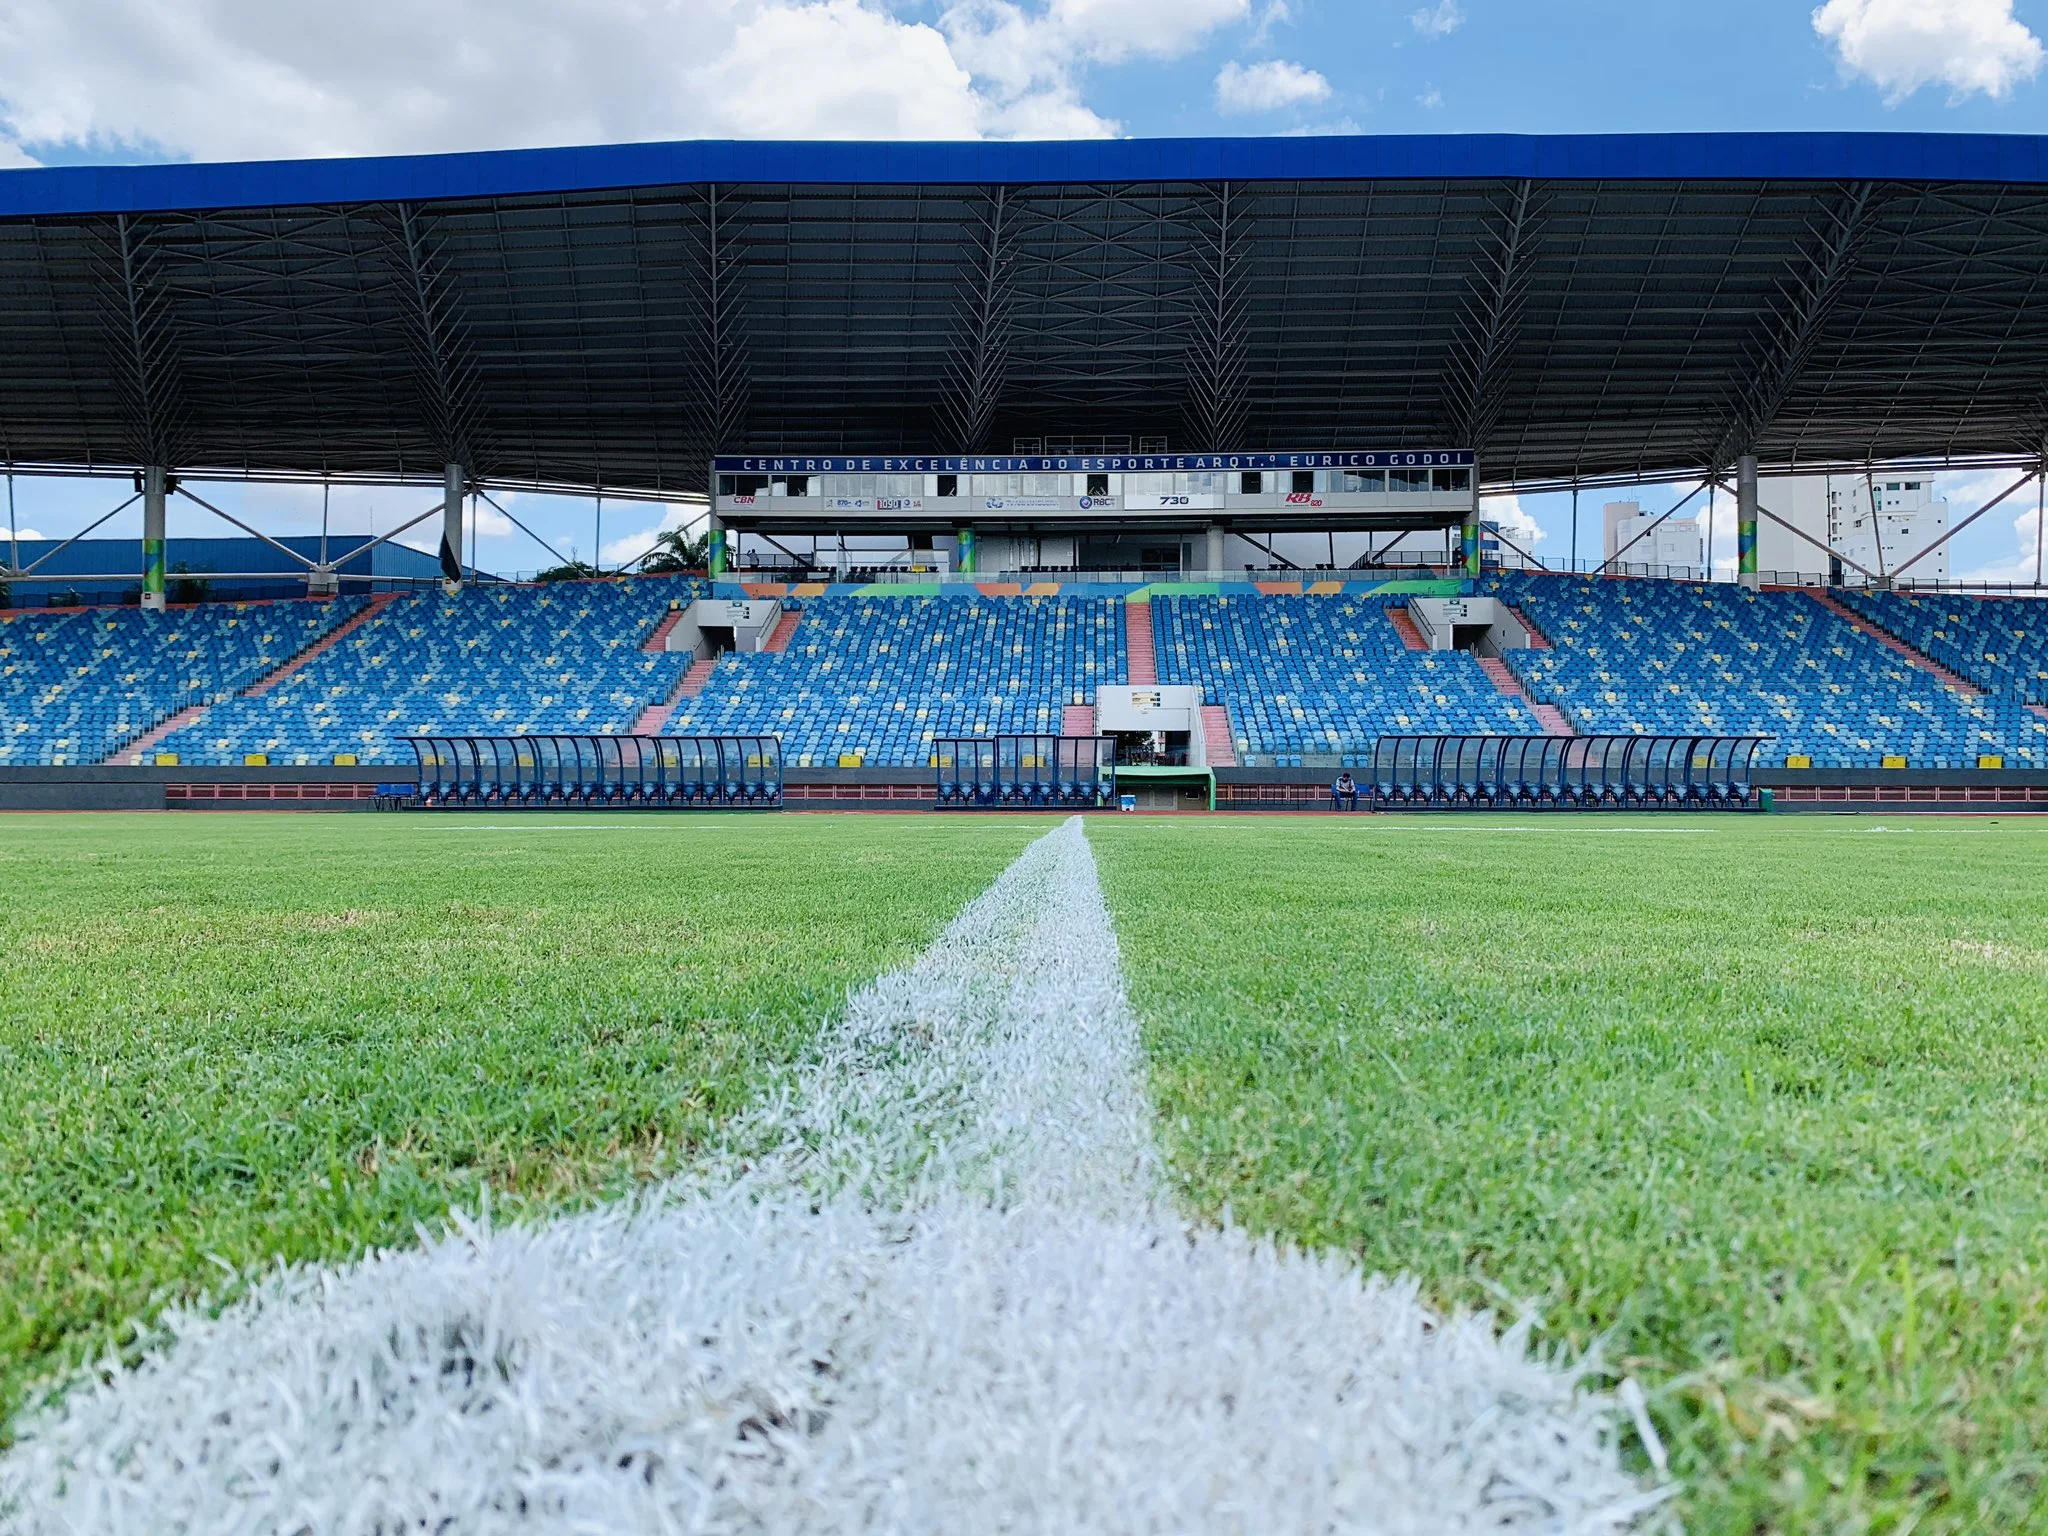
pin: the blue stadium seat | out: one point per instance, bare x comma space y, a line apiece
1677, 658
880, 678
77, 684
1323, 675
498, 661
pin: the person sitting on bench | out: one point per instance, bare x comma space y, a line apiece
1344, 792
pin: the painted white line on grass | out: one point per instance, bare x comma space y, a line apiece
932, 1285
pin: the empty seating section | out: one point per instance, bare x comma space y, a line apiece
489, 661
76, 685
876, 679
1670, 658
1323, 676
879, 678
1998, 643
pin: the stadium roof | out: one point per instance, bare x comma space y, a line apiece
1595, 307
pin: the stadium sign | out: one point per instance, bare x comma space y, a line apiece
1081, 463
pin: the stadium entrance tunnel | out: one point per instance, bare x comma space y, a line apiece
1699, 773
601, 772
978, 773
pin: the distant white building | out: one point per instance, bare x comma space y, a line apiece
1874, 521
1637, 538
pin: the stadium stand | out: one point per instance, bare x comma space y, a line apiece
877, 678
77, 685
1847, 679
1317, 676
1998, 643
1672, 657
492, 660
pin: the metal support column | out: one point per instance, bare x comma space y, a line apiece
1745, 522
454, 488
1470, 538
714, 546
968, 563
154, 486
1212, 548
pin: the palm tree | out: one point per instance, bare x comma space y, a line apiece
677, 551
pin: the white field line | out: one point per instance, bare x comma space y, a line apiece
933, 1286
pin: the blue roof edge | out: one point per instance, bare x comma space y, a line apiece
1939, 157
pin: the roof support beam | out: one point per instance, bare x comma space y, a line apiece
1217, 301
983, 307
441, 373
1813, 288
1500, 284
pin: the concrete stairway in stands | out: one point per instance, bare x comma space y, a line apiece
1549, 716
1538, 641
378, 603
658, 641
694, 680
1138, 642
688, 686
1885, 637
785, 626
1217, 738
144, 746
1405, 628
1077, 720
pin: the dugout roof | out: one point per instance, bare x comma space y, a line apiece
610, 317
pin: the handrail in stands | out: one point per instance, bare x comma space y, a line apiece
620, 772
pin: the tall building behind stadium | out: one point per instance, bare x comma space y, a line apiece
1180, 446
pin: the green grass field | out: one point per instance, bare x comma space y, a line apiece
1759, 1106
1755, 1106
224, 1039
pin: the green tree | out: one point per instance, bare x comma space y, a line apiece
678, 551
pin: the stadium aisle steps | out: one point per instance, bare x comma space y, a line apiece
694, 680
1138, 642
327, 642
1217, 737
778, 642
1885, 637
1538, 641
145, 744
657, 643
1077, 720
1549, 716
1404, 626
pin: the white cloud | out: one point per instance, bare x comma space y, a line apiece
633, 545
1902, 45
1275, 14
26, 535
228, 79
1431, 98
1512, 518
1026, 60
1439, 20
12, 156
1267, 86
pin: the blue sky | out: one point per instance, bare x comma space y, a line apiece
130, 80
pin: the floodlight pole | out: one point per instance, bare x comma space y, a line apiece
1746, 570
453, 489
154, 481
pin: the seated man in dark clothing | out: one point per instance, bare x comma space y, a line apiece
1344, 793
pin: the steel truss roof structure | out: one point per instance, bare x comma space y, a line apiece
1571, 308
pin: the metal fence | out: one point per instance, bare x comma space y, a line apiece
625, 772
1020, 772
1562, 772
